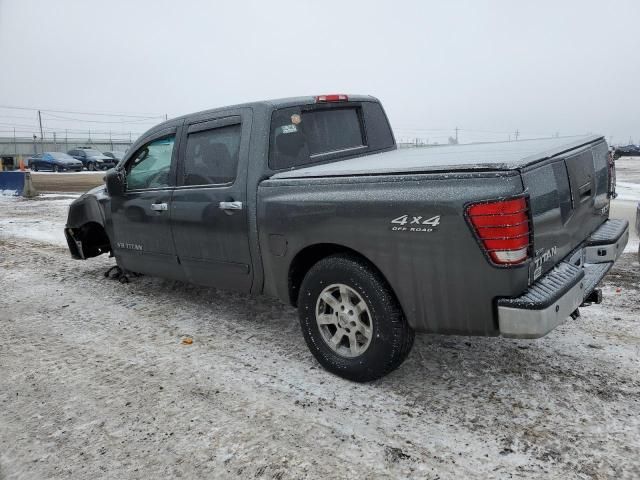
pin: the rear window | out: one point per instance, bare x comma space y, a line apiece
303, 137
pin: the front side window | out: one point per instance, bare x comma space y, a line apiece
302, 137
212, 156
150, 167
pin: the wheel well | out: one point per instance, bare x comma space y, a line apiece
94, 238
309, 256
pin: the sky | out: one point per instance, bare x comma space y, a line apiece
489, 68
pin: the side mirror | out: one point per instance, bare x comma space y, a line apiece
114, 179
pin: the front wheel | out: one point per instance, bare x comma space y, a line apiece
351, 320
56, 168
92, 167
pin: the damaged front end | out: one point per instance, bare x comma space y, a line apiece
86, 231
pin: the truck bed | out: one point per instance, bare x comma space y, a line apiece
478, 156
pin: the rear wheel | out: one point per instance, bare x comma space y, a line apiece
56, 168
92, 167
34, 167
351, 320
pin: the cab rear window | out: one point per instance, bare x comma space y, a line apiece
303, 137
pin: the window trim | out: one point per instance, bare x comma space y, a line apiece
203, 126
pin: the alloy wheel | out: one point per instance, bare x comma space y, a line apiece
344, 320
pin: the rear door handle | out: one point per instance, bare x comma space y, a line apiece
230, 205
159, 207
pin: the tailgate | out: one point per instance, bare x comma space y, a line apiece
569, 199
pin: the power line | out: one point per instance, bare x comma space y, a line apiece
149, 120
124, 115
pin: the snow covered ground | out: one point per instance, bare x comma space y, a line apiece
95, 381
41, 219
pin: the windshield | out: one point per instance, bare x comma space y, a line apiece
60, 156
93, 153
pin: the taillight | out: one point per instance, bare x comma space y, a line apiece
503, 228
334, 97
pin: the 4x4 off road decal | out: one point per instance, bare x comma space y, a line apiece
415, 223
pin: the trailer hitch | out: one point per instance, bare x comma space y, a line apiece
593, 297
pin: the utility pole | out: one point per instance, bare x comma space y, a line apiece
66, 139
517, 134
55, 143
15, 142
166, 117
110, 140
41, 132
457, 135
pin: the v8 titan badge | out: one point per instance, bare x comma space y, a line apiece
415, 223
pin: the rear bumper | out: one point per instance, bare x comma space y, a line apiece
550, 300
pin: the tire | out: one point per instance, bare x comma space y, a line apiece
34, 168
350, 280
56, 169
91, 166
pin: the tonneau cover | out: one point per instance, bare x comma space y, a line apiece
476, 156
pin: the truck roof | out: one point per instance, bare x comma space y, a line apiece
474, 156
268, 104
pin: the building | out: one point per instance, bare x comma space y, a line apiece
12, 149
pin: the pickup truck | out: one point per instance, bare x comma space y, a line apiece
310, 200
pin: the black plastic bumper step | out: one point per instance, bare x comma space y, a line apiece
548, 289
609, 232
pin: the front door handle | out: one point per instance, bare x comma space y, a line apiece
159, 207
230, 205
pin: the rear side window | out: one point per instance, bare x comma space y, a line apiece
212, 156
303, 137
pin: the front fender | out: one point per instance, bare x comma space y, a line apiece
87, 229
90, 207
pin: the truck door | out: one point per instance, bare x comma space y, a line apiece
209, 212
141, 215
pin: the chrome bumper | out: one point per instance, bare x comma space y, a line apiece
551, 299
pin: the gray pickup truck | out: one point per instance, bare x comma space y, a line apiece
309, 200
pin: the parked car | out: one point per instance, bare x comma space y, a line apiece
92, 159
627, 151
54, 161
115, 154
309, 200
